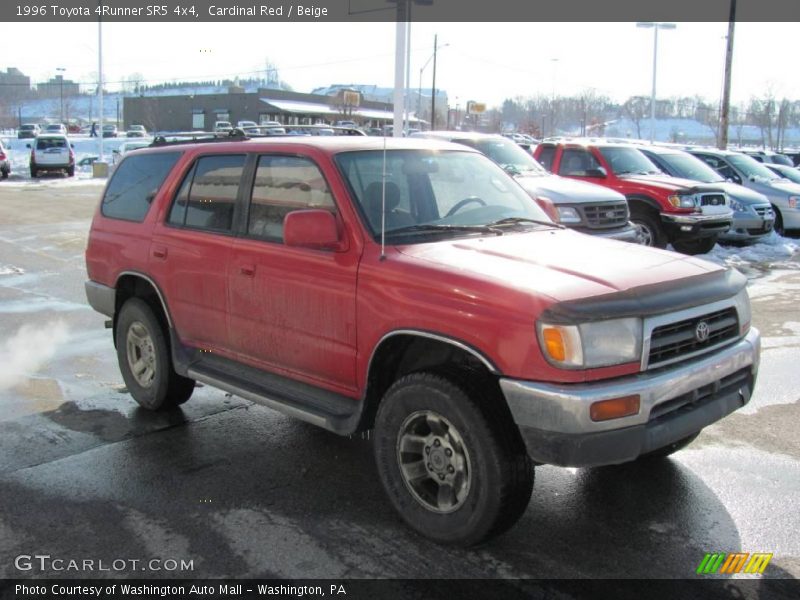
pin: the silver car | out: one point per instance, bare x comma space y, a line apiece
753, 217
745, 170
582, 206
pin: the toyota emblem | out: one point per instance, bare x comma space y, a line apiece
701, 331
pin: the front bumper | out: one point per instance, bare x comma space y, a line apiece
681, 226
627, 233
675, 402
748, 227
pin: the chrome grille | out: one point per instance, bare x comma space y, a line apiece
674, 341
610, 214
764, 211
712, 200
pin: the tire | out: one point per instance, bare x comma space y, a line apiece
71, 172
696, 245
778, 227
34, 173
476, 452
666, 451
140, 340
650, 231
6, 173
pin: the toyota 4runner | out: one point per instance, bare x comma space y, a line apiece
412, 288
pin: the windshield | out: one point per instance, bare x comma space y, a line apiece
691, 167
624, 161
507, 154
789, 173
434, 193
28, 127
750, 167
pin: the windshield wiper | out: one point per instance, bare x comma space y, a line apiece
433, 227
516, 220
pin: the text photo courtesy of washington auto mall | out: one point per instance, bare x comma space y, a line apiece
410, 299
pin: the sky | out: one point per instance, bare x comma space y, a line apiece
483, 62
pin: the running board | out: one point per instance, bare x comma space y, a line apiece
331, 411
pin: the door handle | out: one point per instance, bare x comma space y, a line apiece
248, 270
160, 252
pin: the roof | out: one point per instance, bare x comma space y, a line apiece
319, 108
461, 135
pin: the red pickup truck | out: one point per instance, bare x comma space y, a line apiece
688, 215
412, 288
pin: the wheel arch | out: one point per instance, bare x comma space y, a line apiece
132, 284
406, 351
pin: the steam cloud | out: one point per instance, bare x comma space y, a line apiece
26, 351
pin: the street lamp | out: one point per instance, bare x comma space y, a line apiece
425, 66
61, 77
655, 26
553, 98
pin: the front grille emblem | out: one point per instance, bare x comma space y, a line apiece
701, 331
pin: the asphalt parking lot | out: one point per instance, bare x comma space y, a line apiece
241, 491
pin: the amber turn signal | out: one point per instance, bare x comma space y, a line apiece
614, 408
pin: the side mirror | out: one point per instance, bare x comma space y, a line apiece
598, 172
311, 229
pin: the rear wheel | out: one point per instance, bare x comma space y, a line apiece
695, 246
71, 172
145, 361
34, 173
6, 173
650, 231
453, 465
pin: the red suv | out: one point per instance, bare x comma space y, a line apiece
410, 287
688, 215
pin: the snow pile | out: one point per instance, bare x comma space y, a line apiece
769, 252
8, 270
28, 350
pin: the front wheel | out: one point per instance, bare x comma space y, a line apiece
650, 230
453, 465
145, 361
695, 246
778, 227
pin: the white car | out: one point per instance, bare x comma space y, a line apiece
125, 147
136, 131
222, 126
58, 128
52, 152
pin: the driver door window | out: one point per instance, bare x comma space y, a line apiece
577, 163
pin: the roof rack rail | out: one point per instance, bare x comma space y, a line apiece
196, 137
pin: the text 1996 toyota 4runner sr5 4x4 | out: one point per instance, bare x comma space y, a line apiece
413, 288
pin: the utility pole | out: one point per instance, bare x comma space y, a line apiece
61, 94
724, 119
433, 85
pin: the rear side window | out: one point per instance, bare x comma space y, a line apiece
284, 184
546, 156
207, 196
134, 185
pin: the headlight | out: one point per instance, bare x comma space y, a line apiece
794, 201
590, 345
567, 214
737, 206
682, 201
743, 309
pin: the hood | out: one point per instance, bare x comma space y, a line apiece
560, 264
787, 186
669, 183
741, 193
562, 190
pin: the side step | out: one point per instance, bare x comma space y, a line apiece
314, 405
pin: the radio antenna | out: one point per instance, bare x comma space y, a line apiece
383, 200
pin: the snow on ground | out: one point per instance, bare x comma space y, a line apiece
773, 252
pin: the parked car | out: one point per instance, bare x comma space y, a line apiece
769, 157
684, 213
28, 130
5, 162
110, 130
357, 284
57, 128
745, 170
790, 173
753, 218
136, 131
52, 152
222, 126
125, 147
582, 206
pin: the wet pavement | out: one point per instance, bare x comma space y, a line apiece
242, 491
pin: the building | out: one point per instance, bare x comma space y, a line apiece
14, 85
57, 87
189, 112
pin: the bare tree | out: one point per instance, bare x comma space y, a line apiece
636, 108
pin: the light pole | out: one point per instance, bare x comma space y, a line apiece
425, 66
61, 81
655, 26
553, 98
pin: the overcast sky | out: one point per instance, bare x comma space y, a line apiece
482, 62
